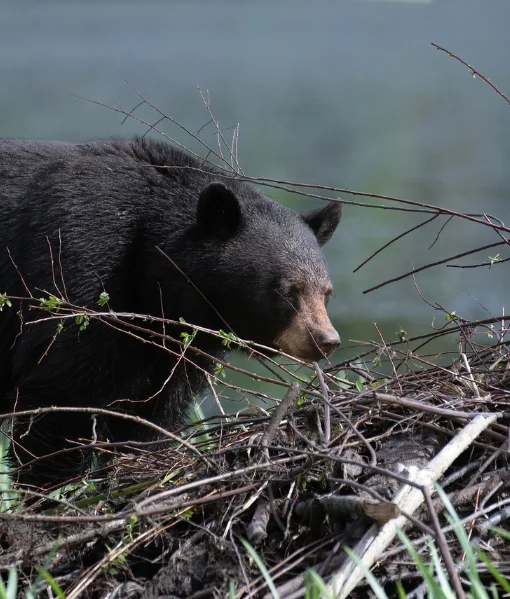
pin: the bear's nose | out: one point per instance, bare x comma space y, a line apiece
328, 341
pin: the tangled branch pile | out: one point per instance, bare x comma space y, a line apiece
322, 471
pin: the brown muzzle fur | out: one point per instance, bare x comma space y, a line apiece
310, 335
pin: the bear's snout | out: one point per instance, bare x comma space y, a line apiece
328, 341
310, 334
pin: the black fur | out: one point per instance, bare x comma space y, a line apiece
111, 210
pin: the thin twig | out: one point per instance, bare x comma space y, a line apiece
473, 71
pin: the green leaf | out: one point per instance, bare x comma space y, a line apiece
50, 303
379, 592
427, 572
219, 370
317, 587
82, 320
104, 298
188, 338
477, 588
11, 592
500, 579
227, 338
4, 301
263, 570
52, 582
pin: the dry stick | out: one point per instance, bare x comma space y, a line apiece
80, 585
466, 495
20, 276
290, 398
446, 330
89, 534
480, 264
473, 71
455, 415
491, 434
448, 371
391, 241
257, 528
110, 317
262, 182
427, 208
361, 437
61, 502
483, 467
182, 355
172, 120
104, 412
331, 406
481, 513
207, 104
443, 545
278, 184
417, 405
289, 562
320, 455
448, 220
494, 520
163, 510
487, 218
492, 262
327, 409
89, 575
159, 497
408, 499
431, 264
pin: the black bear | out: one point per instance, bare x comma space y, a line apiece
163, 234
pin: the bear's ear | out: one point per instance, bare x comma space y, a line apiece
219, 212
324, 221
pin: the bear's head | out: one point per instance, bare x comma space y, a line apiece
267, 277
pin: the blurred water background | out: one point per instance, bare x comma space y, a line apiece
343, 93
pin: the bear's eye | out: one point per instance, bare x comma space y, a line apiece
289, 291
327, 295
